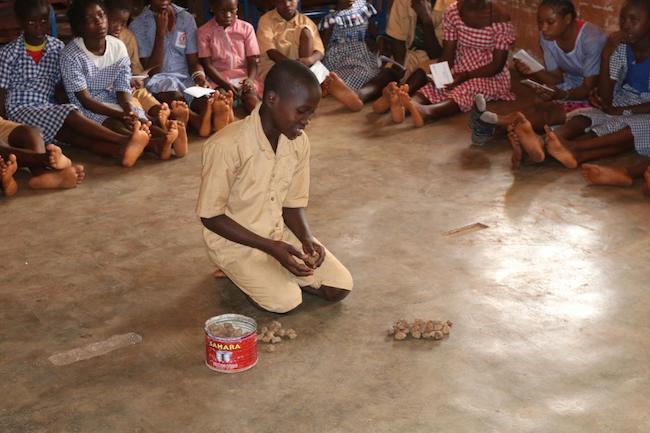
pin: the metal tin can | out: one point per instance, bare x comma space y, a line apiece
231, 354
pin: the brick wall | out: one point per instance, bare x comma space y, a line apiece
603, 13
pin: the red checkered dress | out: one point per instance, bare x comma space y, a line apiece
474, 49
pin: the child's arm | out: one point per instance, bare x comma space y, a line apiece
605, 82
296, 221
157, 56
216, 76
196, 70
550, 78
90, 103
283, 252
431, 44
309, 61
3, 97
252, 65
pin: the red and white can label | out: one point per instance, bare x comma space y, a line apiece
231, 355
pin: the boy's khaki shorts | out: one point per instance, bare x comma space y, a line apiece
266, 281
145, 100
6, 128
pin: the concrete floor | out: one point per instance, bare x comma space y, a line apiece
550, 304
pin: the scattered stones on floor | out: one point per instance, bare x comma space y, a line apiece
420, 329
273, 334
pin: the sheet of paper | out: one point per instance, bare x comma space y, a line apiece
236, 81
441, 74
139, 77
320, 71
383, 59
528, 60
199, 92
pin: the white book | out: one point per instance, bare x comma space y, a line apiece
320, 71
441, 74
198, 92
528, 60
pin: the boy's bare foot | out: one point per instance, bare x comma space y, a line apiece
7, 170
230, 100
180, 111
397, 110
218, 273
606, 175
206, 118
382, 104
67, 178
180, 146
646, 181
408, 104
163, 115
56, 158
170, 137
559, 150
220, 112
530, 142
515, 160
136, 144
339, 90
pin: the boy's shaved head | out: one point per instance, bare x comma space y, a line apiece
288, 76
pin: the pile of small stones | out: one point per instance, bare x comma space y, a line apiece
427, 329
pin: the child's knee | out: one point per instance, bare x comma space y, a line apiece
28, 137
334, 294
283, 303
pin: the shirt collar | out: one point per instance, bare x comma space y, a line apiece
263, 141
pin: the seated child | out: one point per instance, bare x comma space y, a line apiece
49, 167
478, 35
160, 114
621, 114
572, 50
348, 57
284, 33
97, 73
254, 188
415, 29
29, 78
166, 36
229, 54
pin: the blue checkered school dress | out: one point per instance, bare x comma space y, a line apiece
30, 87
624, 95
347, 53
80, 73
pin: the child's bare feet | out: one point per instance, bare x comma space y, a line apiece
136, 144
397, 111
646, 181
171, 134
230, 100
67, 178
531, 143
515, 160
56, 158
180, 111
220, 112
180, 146
218, 273
206, 118
7, 170
559, 150
382, 104
163, 115
339, 90
408, 104
606, 175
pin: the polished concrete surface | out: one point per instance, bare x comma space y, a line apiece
549, 303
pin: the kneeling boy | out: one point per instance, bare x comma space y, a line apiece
254, 188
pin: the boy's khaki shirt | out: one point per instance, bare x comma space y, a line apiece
244, 179
403, 19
